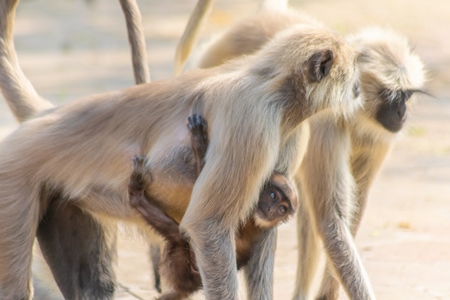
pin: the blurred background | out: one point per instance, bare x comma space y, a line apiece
72, 48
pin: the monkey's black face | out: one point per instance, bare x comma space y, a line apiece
392, 110
273, 207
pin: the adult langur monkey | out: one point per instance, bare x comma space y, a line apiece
342, 157
65, 225
80, 153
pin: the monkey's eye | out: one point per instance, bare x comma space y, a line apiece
282, 209
405, 95
272, 195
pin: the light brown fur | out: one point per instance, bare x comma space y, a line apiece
342, 157
136, 38
13, 83
82, 151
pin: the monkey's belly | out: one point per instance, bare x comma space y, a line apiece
173, 198
172, 181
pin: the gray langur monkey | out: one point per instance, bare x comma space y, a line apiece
343, 157
73, 242
79, 153
391, 77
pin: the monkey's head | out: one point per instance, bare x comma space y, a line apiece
391, 74
312, 69
277, 202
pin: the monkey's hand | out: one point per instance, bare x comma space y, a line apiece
198, 126
139, 177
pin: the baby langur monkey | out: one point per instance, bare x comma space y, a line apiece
177, 262
277, 202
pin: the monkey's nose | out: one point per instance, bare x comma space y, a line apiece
401, 111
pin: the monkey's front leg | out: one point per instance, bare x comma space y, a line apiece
365, 165
308, 251
214, 249
259, 269
329, 205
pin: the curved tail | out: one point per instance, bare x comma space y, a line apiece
18, 91
136, 38
190, 36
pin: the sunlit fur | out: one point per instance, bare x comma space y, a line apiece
82, 152
343, 156
13, 83
386, 62
190, 35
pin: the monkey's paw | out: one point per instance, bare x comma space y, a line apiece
138, 161
197, 125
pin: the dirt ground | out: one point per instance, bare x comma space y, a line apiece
73, 48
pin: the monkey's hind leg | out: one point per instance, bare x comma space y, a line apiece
308, 255
155, 257
146, 206
19, 217
79, 251
177, 264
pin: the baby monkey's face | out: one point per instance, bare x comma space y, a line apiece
277, 202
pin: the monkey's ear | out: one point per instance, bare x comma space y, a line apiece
319, 65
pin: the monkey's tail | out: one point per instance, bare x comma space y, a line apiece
190, 35
18, 91
136, 38
198, 18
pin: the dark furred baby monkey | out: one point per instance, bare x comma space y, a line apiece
177, 263
277, 202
